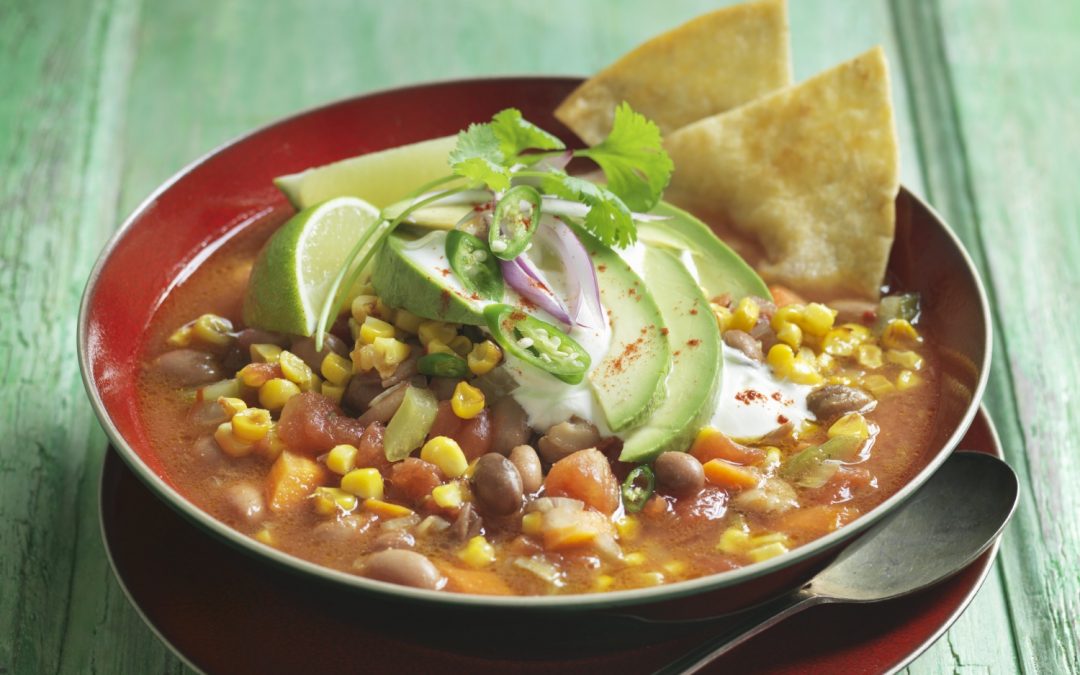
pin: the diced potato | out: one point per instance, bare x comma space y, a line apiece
585, 475
730, 476
291, 479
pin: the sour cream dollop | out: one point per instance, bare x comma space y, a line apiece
753, 401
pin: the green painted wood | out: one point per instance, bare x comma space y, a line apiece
106, 99
1004, 103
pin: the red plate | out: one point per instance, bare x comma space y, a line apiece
226, 612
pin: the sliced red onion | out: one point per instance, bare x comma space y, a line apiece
529, 281
569, 209
582, 286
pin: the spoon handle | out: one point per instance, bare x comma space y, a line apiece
746, 625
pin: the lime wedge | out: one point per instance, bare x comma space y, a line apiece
294, 271
381, 178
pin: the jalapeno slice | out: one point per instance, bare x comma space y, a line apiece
514, 222
442, 365
637, 488
472, 262
537, 343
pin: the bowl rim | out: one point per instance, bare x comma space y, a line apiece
576, 601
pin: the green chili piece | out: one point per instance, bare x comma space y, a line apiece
514, 222
474, 265
637, 488
537, 343
442, 365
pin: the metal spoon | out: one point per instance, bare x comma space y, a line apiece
945, 526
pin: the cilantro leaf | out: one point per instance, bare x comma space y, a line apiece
478, 156
516, 134
633, 159
608, 217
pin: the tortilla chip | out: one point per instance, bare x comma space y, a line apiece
811, 172
708, 65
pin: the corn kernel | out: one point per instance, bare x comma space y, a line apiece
484, 357
342, 459
253, 376
478, 552
229, 443
900, 334
332, 392
362, 307
653, 578
436, 330
231, 405
437, 346
807, 428
329, 501
634, 559
878, 385
745, 315
628, 527
373, 328
531, 523
767, 551
845, 380
733, 541
817, 319
851, 424
407, 321
722, 314
790, 334
467, 401
461, 345
839, 342
904, 358
336, 368
251, 425
906, 380
801, 369
354, 329
181, 337
213, 330
445, 453
825, 362
264, 353
314, 384
363, 358
674, 567
769, 538
276, 393
366, 483
448, 496
271, 444
385, 311
265, 536
386, 509
294, 369
773, 458
603, 582
869, 356
389, 353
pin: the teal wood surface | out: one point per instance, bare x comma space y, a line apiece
104, 99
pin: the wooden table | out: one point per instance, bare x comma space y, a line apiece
101, 100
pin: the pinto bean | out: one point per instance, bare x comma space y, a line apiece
305, 348
384, 405
746, 344
834, 400
344, 530
497, 485
406, 568
679, 474
361, 391
527, 463
245, 503
443, 387
566, 438
509, 425
189, 367
395, 539
405, 369
767, 307
467, 524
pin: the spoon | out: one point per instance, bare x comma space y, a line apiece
942, 529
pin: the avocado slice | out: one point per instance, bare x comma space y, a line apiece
721, 270
694, 382
629, 383
414, 274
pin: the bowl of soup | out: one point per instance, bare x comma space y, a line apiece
512, 495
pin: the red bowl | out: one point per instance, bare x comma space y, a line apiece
192, 213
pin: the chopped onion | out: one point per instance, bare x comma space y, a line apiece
529, 281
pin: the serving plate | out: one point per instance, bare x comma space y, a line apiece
203, 598
215, 197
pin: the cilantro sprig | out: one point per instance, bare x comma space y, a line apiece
494, 153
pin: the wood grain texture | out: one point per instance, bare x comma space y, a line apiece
105, 99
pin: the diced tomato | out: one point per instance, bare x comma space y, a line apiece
712, 444
584, 475
370, 449
291, 480
312, 424
414, 478
474, 436
708, 504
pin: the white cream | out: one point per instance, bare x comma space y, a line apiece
753, 401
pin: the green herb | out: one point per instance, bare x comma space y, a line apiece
633, 159
637, 488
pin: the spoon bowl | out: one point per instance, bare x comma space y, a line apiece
942, 529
